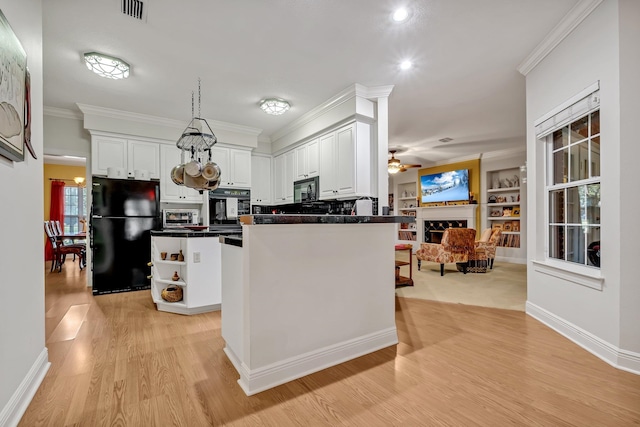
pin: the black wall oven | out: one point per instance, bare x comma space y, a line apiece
227, 204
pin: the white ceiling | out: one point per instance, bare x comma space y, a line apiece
464, 84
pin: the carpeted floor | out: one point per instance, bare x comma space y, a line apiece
503, 287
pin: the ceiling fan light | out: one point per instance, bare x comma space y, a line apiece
393, 167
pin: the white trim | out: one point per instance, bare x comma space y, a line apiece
14, 409
509, 259
62, 112
373, 92
188, 311
161, 121
569, 102
254, 381
318, 111
566, 25
582, 275
616, 357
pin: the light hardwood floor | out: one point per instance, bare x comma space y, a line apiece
118, 361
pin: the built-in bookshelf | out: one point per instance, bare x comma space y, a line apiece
406, 201
503, 205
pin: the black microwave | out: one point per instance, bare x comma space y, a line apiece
306, 190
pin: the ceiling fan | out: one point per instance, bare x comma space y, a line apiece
394, 165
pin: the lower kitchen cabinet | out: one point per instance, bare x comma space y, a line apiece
199, 274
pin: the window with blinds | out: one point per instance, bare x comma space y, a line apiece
572, 137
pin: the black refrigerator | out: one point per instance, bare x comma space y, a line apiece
123, 213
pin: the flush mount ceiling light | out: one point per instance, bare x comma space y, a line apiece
274, 106
106, 66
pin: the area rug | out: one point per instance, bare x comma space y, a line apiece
503, 287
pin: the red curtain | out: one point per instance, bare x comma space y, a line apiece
56, 211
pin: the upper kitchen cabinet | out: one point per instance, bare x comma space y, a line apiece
235, 166
307, 160
283, 170
345, 162
261, 180
170, 156
129, 154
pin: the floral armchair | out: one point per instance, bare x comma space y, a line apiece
455, 246
489, 244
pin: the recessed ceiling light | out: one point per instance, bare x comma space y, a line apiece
400, 14
405, 65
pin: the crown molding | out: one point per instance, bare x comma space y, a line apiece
566, 25
160, 121
318, 111
373, 92
62, 112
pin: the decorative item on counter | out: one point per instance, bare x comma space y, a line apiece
163, 255
174, 257
175, 276
180, 256
172, 294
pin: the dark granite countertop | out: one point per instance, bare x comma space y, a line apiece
231, 240
324, 219
178, 232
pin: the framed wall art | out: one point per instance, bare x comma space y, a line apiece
13, 74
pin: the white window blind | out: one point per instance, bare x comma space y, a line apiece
574, 108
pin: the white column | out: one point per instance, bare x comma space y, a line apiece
383, 150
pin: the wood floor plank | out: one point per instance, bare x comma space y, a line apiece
455, 365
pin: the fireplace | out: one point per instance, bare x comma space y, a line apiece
433, 229
435, 219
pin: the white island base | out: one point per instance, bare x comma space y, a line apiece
299, 298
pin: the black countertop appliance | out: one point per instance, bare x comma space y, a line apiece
226, 205
123, 213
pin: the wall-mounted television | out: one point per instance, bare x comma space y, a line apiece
445, 186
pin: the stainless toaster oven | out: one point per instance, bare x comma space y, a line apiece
176, 218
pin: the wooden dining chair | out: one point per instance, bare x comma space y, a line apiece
60, 251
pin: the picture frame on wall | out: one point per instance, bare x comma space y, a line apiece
13, 67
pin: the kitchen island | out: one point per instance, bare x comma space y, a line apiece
198, 270
301, 293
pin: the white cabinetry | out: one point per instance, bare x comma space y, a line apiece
199, 274
129, 154
283, 166
261, 180
170, 156
307, 160
345, 162
235, 166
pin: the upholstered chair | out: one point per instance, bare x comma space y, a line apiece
455, 246
488, 242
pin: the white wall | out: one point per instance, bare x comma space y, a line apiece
22, 337
600, 319
66, 136
629, 159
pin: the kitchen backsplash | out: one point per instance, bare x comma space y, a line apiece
333, 207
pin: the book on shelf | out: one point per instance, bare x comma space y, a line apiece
406, 235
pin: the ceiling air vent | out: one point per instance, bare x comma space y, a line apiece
445, 139
134, 9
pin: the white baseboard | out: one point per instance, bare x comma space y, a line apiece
616, 357
254, 381
169, 308
14, 409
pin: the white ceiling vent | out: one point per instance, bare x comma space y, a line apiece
447, 139
134, 9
